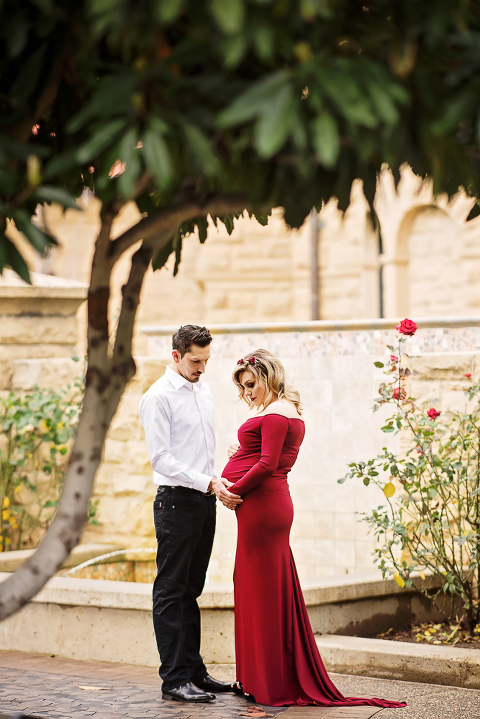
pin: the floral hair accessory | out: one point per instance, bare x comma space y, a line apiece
251, 360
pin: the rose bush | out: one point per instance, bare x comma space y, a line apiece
432, 527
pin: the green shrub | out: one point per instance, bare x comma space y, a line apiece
36, 430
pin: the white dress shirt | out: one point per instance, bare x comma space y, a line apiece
177, 416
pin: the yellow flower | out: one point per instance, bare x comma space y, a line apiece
5, 515
399, 580
6, 502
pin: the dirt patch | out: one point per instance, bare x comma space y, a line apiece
448, 634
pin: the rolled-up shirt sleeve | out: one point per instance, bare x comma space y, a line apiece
156, 420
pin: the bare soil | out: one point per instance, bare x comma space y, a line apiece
447, 634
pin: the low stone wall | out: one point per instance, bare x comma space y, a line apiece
78, 618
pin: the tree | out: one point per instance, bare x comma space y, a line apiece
212, 108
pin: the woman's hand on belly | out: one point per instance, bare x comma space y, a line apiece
233, 449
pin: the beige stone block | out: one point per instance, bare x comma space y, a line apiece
345, 553
136, 456
304, 523
323, 498
143, 525
149, 369
130, 484
345, 525
440, 366
53, 372
104, 480
5, 373
325, 551
114, 451
425, 391
16, 329
126, 422
325, 525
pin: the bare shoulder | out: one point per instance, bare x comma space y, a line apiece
284, 408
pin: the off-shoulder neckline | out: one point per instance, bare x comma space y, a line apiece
277, 414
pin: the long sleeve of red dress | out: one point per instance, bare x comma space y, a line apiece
273, 429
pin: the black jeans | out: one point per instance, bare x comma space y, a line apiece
185, 527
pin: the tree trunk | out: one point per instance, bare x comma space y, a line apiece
106, 379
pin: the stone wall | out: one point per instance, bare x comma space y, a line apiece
38, 320
332, 367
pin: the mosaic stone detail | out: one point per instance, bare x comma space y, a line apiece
332, 343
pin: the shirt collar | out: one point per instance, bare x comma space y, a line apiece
178, 381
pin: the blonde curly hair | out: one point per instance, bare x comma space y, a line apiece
268, 369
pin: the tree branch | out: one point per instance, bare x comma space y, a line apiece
167, 218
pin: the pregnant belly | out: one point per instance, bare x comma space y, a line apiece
239, 465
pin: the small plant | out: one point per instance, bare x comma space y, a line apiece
35, 431
432, 528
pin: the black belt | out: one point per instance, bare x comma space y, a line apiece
178, 489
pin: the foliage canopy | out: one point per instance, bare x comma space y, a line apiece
283, 101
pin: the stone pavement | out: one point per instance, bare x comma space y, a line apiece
57, 688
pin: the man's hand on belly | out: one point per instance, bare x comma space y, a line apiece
228, 499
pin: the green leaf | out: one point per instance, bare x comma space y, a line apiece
201, 150
202, 225
234, 49
168, 10
275, 123
178, 254
157, 156
129, 154
61, 163
28, 76
11, 257
326, 140
252, 102
99, 141
229, 15
379, 364
41, 241
263, 40
161, 259
47, 193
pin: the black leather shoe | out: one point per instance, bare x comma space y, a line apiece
187, 693
209, 684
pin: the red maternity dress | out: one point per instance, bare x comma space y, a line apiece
277, 658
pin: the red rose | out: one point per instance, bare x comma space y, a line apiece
399, 393
393, 358
407, 327
468, 375
433, 413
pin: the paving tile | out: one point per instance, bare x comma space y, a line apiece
46, 686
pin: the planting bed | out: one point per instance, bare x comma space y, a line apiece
445, 634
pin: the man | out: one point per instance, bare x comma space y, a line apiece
177, 416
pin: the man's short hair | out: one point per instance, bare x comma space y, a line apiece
189, 335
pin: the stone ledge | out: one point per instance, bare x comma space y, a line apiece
10, 561
321, 326
401, 660
133, 595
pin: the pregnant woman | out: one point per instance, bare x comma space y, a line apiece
278, 662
